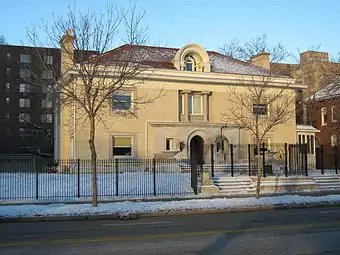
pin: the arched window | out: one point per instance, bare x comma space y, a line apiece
190, 64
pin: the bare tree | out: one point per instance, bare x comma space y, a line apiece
253, 47
2, 40
91, 75
260, 107
232, 48
316, 73
2, 43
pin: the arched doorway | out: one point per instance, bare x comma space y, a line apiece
197, 149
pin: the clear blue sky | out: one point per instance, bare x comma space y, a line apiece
174, 23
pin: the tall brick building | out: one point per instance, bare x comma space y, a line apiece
318, 105
26, 106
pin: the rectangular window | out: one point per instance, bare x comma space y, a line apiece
323, 116
195, 104
121, 102
46, 103
169, 144
7, 86
333, 140
24, 117
260, 108
8, 71
181, 104
25, 74
47, 89
122, 145
8, 55
333, 113
8, 100
7, 116
47, 74
22, 132
47, 118
25, 58
48, 60
24, 103
24, 87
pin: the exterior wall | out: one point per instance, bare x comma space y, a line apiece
36, 135
324, 136
161, 120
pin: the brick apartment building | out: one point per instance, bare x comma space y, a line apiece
318, 105
327, 116
26, 107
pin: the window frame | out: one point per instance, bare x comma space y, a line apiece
48, 59
24, 119
130, 95
44, 118
334, 140
261, 103
47, 89
25, 88
46, 103
25, 104
25, 58
171, 144
191, 104
323, 112
45, 76
7, 86
122, 136
190, 59
25, 73
333, 114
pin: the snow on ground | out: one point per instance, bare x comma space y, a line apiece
51, 186
16, 211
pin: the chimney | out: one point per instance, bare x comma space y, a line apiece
261, 60
313, 56
67, 51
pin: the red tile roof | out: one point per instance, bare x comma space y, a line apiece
162, 57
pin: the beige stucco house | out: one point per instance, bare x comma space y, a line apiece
186, 119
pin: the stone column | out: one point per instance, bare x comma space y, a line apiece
206, 106
185, 95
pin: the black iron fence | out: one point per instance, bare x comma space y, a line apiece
274, 159
38, 178
49, 179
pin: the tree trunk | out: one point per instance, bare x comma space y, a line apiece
259, 175
93, 162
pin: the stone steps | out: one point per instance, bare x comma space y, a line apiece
327, 182
246, 185
234, 185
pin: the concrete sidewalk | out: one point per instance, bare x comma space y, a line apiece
157, 199
129, 210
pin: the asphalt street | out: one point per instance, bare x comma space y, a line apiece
293, 231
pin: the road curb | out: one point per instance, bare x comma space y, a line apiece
135, 216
